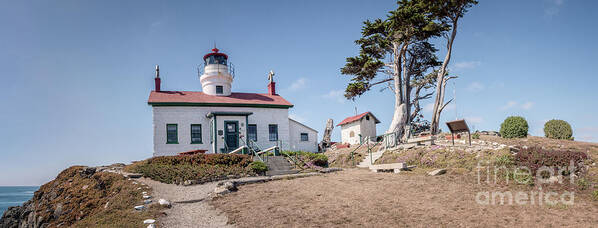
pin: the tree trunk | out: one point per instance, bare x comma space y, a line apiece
400, 116
440, 82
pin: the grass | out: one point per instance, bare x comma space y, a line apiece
200, 167
99, 200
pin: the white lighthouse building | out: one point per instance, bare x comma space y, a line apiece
217, 120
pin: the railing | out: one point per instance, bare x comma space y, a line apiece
229, 67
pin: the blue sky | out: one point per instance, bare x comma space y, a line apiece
75, 75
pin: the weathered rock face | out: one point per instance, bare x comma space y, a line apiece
62, 201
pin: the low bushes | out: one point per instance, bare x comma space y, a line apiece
514, 127
317, 159
558, 129
536, 157
202, 167
259, 167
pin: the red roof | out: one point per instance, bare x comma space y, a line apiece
356, 118
191, 98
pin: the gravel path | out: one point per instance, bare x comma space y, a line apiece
189, 206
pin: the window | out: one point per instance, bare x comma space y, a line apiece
273, 132
304, 137
172, 134
252, 132
219, 90
352, 134
367, 117
196, 134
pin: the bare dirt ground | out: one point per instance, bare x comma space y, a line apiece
358, 197
189, 205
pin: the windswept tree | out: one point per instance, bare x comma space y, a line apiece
395, 52
448, 13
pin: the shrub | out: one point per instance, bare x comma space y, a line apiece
558, 129
204, 167
595, 195
475, 135
309, 157
514, 127
258, 167
535, 157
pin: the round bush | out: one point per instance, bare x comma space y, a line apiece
514, 127
558, 129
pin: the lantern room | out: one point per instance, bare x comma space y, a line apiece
218, 74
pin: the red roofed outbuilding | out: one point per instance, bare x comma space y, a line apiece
355, 129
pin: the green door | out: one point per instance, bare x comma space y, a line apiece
231, 134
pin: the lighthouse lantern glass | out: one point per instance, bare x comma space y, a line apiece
216, 59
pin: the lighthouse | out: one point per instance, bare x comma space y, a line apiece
217, 74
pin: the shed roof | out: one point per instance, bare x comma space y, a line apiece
352, 119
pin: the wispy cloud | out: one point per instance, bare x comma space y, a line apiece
552, 7
336, 95
298, 84
514, 104
589, 134
527, 105
476, 87
509, 105
467, 65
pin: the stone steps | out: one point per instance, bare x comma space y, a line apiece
366, 162
279, 165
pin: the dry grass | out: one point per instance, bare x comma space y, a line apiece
360, 198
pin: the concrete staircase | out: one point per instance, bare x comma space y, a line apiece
367, 162
279, 165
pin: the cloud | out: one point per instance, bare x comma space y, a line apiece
527, 105
476, 87
587, 134
514, 104
336, 95
509, 105
298, 84
552, 7
467, 65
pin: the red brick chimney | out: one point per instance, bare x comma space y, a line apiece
157, 80
272, 88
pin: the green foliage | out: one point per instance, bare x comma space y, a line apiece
595, 195
514, 127
583, 183
317, 159
258, 167
203, 167
505, 159
558, 129
475, 135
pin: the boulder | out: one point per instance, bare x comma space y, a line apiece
140, 207
151, 226
147, 197
148, 201
164, 202
437, 172
149, 221
225, 187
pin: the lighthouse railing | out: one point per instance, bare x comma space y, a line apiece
229, 68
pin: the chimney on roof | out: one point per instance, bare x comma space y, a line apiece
272, 84
157, 80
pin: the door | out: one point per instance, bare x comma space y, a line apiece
231, 134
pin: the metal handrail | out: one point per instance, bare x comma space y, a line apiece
230, 67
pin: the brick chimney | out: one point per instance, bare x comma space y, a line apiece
272, 88
157, 80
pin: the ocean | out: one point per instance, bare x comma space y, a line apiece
15, 196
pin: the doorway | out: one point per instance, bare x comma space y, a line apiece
231, 134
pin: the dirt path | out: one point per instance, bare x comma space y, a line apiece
361, 198
189, 206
